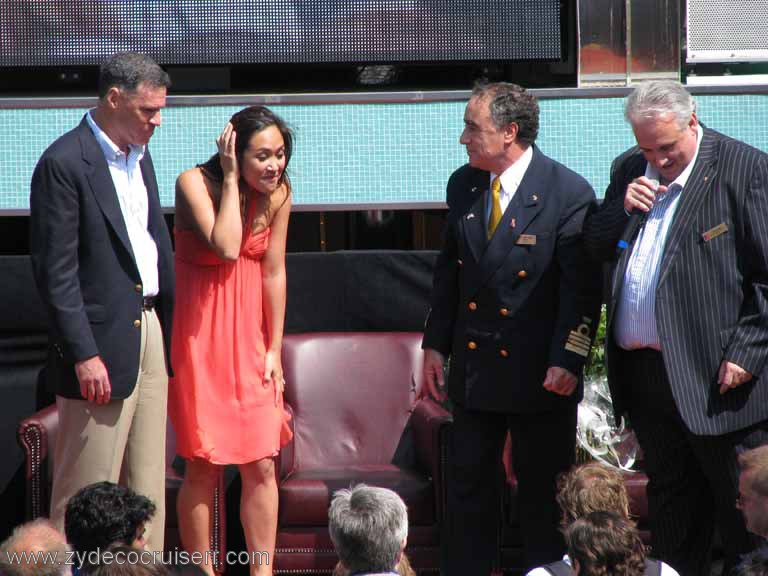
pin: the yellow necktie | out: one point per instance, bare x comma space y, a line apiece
495, 218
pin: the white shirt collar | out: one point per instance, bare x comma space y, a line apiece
513, 175
111, 151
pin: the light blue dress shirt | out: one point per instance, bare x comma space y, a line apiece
635, 324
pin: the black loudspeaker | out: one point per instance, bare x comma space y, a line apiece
726, 31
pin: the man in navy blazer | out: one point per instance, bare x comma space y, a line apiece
687, 336
515, 307
103, 264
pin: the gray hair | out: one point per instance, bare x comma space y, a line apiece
368, 526
127, 70
510, 103
657, 98
38, 536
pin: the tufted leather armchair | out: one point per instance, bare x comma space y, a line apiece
37, 436
355, 419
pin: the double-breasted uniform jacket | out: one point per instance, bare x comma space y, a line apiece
712, 295
507, 309
84, 265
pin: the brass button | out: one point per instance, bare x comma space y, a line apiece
473, 305
472, 345
461, 262
137, 323
503, 353
522, 274
138, 287
503, 311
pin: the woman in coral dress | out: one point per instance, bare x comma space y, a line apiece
225, 399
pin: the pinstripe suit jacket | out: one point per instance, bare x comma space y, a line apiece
712, 296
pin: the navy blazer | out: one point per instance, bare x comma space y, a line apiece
712, 296
84, 265
507, 309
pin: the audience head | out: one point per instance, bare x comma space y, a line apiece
605, 544
187, 569
369, 528
247, 124
38, 539
122, 560
753, 564
404, 568
103, 514
753, 490
591, 487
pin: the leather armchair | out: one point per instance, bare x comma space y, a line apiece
37, 436
356, 420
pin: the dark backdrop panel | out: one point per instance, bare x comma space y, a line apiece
377, 290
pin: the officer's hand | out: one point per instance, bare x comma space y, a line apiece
434, 384
560, 381
94, 380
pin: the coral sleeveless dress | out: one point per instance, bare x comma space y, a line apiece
219, 405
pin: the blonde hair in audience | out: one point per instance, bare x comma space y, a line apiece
591, 487
756, 462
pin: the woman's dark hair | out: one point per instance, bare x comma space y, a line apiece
246, 123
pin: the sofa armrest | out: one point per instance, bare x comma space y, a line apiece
286, 463
431, 424
37, 437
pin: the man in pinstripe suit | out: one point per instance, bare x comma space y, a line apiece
687, 316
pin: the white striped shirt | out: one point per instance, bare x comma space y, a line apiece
635, 325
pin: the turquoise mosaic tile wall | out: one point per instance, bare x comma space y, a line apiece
370, 153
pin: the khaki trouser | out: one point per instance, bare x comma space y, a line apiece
122, 441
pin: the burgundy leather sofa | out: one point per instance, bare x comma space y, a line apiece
37, 436
356, 419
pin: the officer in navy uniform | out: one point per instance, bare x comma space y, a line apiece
515, 306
